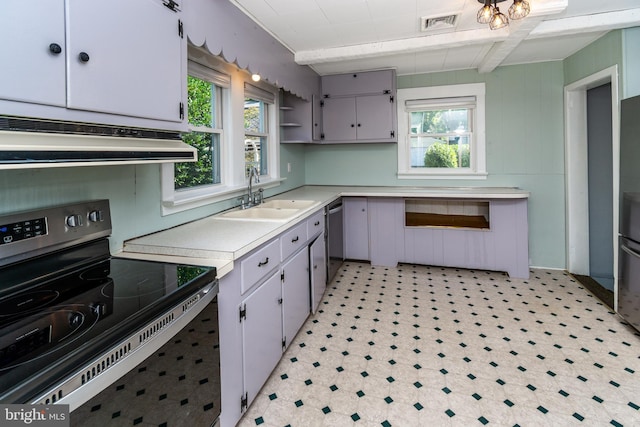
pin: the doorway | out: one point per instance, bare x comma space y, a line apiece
600, 188
585, 234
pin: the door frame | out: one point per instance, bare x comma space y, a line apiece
576, 169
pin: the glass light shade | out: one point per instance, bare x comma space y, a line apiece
519, 9
485, 13
499, 20
255, 77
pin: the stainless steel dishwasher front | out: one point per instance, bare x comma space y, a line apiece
335, 237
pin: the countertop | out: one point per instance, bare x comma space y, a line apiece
217, 242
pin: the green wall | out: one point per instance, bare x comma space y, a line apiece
599, 55
631, 68
133, 192
525, 148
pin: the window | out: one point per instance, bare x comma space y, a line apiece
256, 148
257, 103
219, 98
205, 126
441, 132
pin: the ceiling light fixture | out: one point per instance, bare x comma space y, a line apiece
255, 77
485, 13
519, 9
491, 15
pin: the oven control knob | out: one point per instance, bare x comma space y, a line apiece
98, 308
75, 320
96, 216
74, 220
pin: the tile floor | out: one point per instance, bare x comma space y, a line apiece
431, 346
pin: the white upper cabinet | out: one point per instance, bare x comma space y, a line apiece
124, 58
33, 51
359, 107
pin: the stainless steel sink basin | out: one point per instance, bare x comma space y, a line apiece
262, 214
287, 204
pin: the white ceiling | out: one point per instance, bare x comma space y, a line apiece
335, 36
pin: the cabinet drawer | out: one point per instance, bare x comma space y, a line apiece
315, 224
257, 265
293, 240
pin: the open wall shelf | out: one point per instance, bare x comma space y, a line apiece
473, 214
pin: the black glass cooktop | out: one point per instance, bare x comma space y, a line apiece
62, 310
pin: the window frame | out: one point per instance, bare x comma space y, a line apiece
269, 101
442, 96
232, 176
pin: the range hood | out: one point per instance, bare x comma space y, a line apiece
28, 143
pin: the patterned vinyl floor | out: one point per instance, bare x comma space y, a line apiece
431, 346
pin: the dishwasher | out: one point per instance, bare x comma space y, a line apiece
335, 239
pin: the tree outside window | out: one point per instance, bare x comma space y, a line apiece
205, 128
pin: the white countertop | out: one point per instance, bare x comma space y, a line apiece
217, 242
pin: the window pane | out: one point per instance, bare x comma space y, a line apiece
255, 154
200, 104
206, 170
254, 116
440, 121
256, 130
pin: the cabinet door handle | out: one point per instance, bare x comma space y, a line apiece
295, 239
83, 57
317, 223
358, 124
265, 262
352, 125
55, 48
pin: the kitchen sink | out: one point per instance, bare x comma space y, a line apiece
261, 214
286, 204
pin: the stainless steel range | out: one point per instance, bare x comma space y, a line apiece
74, 320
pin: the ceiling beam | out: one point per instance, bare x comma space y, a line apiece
518, 31
391, 47
587, 24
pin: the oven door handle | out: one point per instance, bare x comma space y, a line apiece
213, 286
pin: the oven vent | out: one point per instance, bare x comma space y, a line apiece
186, 306
106, 362
54, 397
156, 327
93, 371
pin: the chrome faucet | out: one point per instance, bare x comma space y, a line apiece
253, 172
252, 198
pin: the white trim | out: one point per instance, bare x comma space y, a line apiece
193, 199
478, 168
576, 182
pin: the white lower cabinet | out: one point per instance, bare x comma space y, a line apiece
263, 303
356, 228
318, 266
295, 295
261, 315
